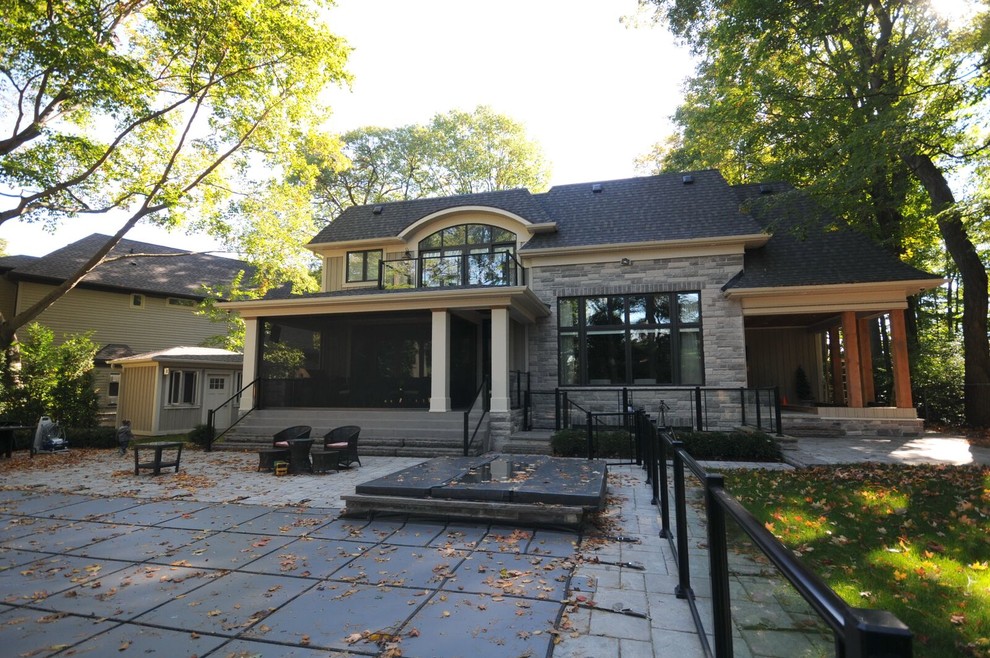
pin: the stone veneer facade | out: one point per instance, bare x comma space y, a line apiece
723, 334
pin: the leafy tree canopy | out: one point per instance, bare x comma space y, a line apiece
151, 108
871, 105
455, 153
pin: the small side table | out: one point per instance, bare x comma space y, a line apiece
299, 456
268, 456
324, 460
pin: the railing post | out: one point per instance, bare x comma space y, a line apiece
467, 430
742, 403
562, 409
209, 428
683, 589
776, 406
759, 413
697, 409
876, 634
718, 566
527, 411
591, 446
664, 493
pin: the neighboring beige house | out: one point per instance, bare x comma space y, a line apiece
172, 391
133, 305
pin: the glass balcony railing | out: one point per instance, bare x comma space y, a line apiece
486, 270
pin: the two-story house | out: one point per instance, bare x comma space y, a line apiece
677, 288
144, 302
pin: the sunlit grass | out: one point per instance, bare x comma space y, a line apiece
914, 540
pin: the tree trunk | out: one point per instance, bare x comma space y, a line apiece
973, 274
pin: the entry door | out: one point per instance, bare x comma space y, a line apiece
216, 391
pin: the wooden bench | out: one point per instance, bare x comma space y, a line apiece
157, 464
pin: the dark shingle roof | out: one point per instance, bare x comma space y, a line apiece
361, 222
176, 272
8, 263
648, 208
644, 209
809, 246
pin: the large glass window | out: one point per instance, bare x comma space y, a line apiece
630, 339
363, 265
468, 255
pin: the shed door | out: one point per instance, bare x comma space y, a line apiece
217, 391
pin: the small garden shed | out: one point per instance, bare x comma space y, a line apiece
172, 391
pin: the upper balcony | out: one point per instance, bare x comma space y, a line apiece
488, 269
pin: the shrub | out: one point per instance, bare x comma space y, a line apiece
202, 435
730, 446
608, 444
91, 437
53, 380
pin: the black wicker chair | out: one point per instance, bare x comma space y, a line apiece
280, 446
345, 441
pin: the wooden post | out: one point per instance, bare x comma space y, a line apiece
854, 378
899, 357
866, 361
835, 360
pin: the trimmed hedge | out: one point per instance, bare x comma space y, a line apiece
608, 445
709, 446
730, 446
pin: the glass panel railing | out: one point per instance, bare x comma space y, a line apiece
769, 616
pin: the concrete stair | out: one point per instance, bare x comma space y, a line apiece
798, 424
384, 432
532, 442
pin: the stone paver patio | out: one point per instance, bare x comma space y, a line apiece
221, 560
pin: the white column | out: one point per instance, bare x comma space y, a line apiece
440, 363
249, 368
500, 360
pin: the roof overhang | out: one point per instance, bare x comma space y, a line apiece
785, 300
650, 249
522, 303
441, 215
165, 360
355, 245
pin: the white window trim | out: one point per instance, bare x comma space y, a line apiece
181, 374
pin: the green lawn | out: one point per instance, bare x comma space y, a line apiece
914, 540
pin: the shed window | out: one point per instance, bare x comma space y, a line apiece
182, 387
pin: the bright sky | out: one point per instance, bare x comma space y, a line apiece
594, 93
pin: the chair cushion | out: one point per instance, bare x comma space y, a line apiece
282, 444
336, 446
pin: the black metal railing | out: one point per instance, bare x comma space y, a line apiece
229, 402
488, 269
855, 632
696, 407
518, 388
482, 400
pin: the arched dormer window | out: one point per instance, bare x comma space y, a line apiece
468, 255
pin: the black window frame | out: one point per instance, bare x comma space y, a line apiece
469, 244
366, 275
574, 328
